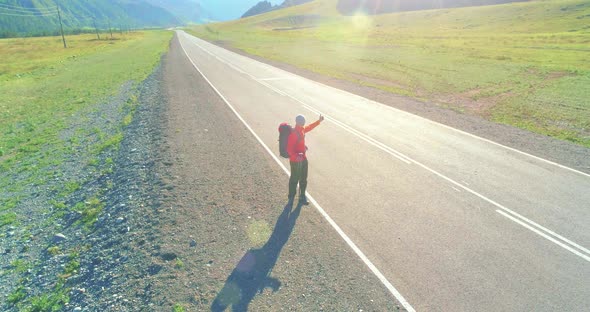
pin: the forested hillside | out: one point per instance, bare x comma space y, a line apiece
40, 17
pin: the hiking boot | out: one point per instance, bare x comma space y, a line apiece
303, 200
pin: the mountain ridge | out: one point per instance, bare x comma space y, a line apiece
38, 18
265, 6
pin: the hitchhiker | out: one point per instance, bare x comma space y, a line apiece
296, 148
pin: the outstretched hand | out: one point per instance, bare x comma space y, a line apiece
321, 118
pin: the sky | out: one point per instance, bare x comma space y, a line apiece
230, 9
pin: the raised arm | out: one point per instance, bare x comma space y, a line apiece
313, 125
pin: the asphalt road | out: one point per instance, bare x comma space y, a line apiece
447, 220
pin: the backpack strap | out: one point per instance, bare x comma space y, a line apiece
299, 138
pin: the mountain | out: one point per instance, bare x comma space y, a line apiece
225, 10
187, 11
27, 17
351, 7
40, 16
265, 6
259, 8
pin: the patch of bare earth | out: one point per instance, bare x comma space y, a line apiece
293, 22
474, 102
376, 81
480, 101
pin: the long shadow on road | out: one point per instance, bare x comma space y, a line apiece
252, 274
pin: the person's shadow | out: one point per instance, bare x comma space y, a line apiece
252, 274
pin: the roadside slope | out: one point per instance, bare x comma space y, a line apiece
225, 204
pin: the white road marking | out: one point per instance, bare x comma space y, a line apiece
530, 222
456, 189
583, 256
277, 78
350, 243
362, 136
261, 81
409, 160
272, 88
407, 113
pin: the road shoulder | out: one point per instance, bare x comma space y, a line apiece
227, 233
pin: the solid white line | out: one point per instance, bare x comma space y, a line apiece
461, 186
362, 136
225, 62
366, 260
385, 148
583, 256
350, 243
408, 160
261, 81
401, 111
495, 143
272, 88
270, 79
232, 65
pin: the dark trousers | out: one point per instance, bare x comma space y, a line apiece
298, 175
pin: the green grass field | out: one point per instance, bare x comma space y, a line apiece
524, 64
43, 83
58, 130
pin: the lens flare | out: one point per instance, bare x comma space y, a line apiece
362, 22
361, 27
258, 232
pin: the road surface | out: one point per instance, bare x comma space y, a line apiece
448, 221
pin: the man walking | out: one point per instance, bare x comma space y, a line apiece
296, 149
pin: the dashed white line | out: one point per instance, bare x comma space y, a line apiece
583, 256
409, 160
362, 136
513, 213
284, 72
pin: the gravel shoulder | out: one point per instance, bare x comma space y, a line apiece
65, 263
562, 152
227, 235
190, 211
